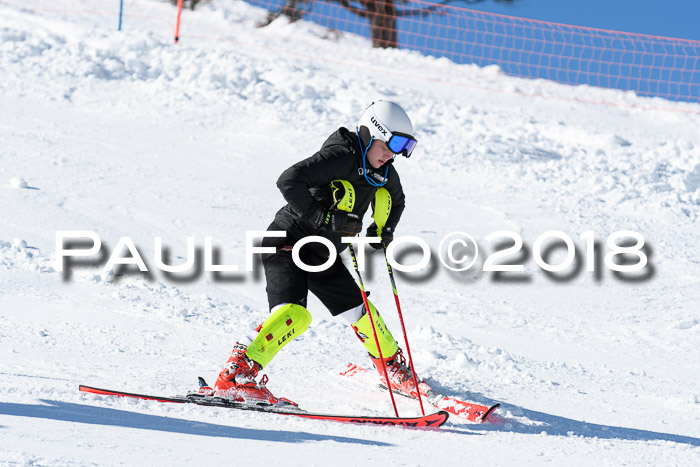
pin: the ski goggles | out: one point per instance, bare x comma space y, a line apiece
401, 143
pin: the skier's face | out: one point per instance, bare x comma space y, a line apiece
378, 154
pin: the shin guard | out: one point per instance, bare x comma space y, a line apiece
288, 322
363, 329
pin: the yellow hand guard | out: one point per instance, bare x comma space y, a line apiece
381, 208
343, 195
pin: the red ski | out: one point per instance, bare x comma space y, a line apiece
476, 413
432, 420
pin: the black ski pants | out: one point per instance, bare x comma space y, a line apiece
287, 283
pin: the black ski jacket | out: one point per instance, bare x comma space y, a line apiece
306, 187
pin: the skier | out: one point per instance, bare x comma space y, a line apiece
327, 195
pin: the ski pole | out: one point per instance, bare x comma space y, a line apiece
374, 331
121, 9
403, 329
381, 206
177, 25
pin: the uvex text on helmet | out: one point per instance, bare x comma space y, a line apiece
382, 118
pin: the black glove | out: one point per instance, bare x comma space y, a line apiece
387, 236
344, 223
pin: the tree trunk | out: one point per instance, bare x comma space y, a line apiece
382, 21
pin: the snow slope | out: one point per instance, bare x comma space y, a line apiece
126, 134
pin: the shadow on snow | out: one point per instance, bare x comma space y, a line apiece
65, 411
553, 425
540, 422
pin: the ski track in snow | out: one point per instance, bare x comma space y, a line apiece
126, 134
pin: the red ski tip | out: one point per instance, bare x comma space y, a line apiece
109, 392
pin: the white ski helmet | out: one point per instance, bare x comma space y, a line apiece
385, 120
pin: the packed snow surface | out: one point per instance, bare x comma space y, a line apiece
127, 134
